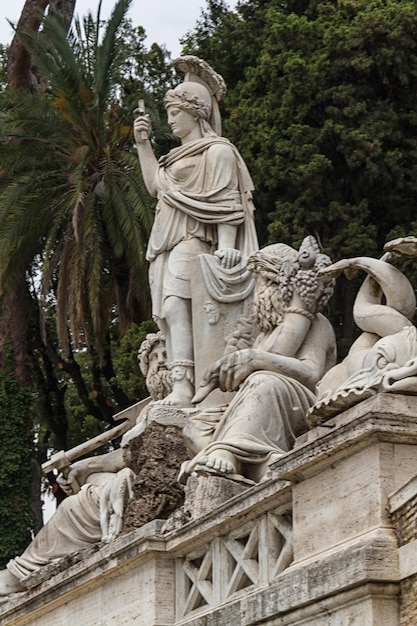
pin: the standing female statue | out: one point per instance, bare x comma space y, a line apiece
204, 207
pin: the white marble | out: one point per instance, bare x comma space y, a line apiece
204, 208
384, 357
274, 380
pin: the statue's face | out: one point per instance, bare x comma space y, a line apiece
157, 359
212, 312
182, 122
389, 353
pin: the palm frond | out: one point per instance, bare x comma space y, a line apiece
106, 54
71, 192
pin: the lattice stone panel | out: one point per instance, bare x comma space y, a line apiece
252, 554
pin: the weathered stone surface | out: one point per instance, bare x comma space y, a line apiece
369, 606
403, 507
358, 464
204, 208
155, 456
274, 378
205, 492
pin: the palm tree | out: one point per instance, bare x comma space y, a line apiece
73, 213
72, 194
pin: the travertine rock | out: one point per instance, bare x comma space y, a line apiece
155, 456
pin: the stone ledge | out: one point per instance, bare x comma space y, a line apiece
324, 612
382, 418
91, 567
357, 570
380, 403
267, 496
370, 560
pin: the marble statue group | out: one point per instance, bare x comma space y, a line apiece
256, 314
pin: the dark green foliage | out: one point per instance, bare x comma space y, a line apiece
90, 227
218, 38
16, 444
126, 359
327, 116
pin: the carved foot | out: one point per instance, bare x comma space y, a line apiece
182, 374
220, 461
182, 401
9, 583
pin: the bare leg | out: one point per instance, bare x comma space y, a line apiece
180, 351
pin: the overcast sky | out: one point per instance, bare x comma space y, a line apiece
164, 21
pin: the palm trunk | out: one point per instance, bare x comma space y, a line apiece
21, 72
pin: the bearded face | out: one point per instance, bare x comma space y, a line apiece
158, 377
159, 384
266, 306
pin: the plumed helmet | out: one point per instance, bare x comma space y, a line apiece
201, 91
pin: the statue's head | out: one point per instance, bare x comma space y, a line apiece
212, 312
199, 94
265, 264
291, 271
153, 364
392, 351
192, 97
154, 343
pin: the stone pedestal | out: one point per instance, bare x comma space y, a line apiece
342, 529
206, 492
342, 477
314, 545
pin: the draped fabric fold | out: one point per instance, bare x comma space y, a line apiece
201, 185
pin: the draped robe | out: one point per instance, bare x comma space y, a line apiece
201, 185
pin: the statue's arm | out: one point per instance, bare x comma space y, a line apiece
222, 176
228, 254
147, 158
306, 370
229, 372
307, 367
80, 470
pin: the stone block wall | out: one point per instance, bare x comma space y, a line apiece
404, 515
